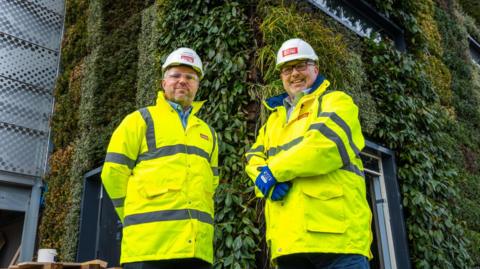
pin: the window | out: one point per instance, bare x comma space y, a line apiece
389, 247
363, 19
474, 50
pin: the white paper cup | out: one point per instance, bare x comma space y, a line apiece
46, 255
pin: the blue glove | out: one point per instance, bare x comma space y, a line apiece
280, 190
265, 180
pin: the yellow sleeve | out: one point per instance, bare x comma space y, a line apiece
121, 157
331, 142
256, 158
214, 159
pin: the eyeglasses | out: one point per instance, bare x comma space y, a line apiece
190, 78
302, 66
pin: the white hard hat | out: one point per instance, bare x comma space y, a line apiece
184, 56
295, 49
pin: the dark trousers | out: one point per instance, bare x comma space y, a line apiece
322, 261
169, 264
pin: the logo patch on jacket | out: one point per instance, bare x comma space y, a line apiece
289, 51
204, 136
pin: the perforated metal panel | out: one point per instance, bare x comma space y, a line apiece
31, 22
56, 6
30, 37
24, 105
26, 62
23, 149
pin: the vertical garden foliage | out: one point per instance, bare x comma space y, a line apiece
148, 67
430, 51
466, 88
415, 125
53, 224
107, 93
472, 7
219, 33
67, 96
438, 37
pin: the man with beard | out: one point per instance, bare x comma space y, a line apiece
306, 164
161, 172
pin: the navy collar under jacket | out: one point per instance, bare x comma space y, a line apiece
277, 100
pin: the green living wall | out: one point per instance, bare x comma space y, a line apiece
424, 104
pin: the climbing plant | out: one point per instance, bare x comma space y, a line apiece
416, 127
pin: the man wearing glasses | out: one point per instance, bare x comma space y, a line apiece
161, 172
306, 164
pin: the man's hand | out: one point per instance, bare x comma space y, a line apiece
265, 181
280, 190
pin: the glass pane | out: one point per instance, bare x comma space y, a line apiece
371, 198
347, 16
370, 163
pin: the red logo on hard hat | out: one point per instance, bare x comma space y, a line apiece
187, 58
289, 51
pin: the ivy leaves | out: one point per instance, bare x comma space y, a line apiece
415, 125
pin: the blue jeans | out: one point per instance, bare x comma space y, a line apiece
322, 261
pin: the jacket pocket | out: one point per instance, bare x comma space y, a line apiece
324, 209
152, 188
159, 176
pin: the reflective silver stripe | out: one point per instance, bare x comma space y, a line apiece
118, 202
320, 99
198, 151
215, 171
250, 156
166, 215
120, 159
257, 149
172, 150
150, 134
353, 168
272, 151
330, 134
214, 138
275, 150
340, 122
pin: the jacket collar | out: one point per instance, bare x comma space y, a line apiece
276, 101
162, 102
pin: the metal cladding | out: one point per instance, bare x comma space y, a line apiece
30, 38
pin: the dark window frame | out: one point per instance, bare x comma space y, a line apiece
474, 49
385, 196
100, 228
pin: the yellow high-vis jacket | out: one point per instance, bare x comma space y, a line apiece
161, 179
317, 150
